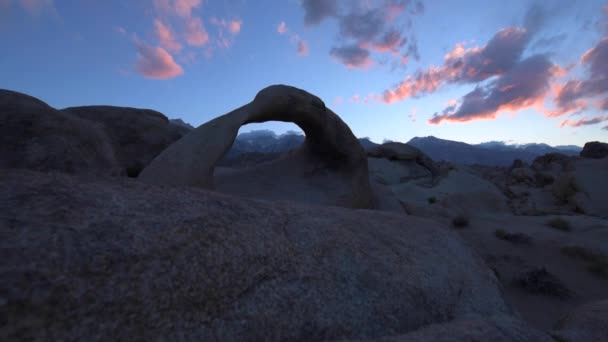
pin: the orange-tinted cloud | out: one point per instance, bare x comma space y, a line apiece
166, 37
465, 65
156, 62
583, 122
525, 85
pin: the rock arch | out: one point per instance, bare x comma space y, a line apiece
329, 141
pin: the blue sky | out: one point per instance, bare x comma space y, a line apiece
518, 71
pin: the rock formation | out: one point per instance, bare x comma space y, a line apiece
136, 135
330, 149
404, 153
595, 150
35, 136
176, 262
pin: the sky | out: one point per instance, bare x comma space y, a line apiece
518, 71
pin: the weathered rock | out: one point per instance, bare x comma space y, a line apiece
586, 323
595, 150
35, 136
91, 259
395, 151
136, 135
329, 148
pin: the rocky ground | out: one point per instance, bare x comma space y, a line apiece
273, 249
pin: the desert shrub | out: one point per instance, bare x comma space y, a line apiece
597, 263
512, 237
559, 224
432, 200
564, 188
460, 221
540, 281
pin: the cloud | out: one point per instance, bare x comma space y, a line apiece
352, 56
196, 34
583, 122
317, 10
302, 48
232, 26
282, 28
156, 62
603, 104
379, 27
523, 86
166, 37
184, 7
465, 65
36, 7
571, 95
605, 128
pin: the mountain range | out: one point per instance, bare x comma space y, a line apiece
493, 153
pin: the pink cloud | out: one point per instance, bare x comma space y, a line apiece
184, 7
465, 65
196, 34
338, 100
302, 48
166, 37
156, 62
233, 26
282, 28
583, 122
525, 85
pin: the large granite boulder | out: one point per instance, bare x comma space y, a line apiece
588, 322
331, 165
595, 150
406, 161
90, 259
35, 136
137, 135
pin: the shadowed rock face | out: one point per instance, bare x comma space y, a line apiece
595, 150
35, 136
136, 135
330, 146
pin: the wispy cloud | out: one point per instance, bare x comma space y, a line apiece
583, 122
302, 48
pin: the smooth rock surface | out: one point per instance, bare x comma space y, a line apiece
35, 136
82, 258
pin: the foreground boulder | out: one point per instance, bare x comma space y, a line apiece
595, 150
330, 167
136, 135
84, 259
35, 136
